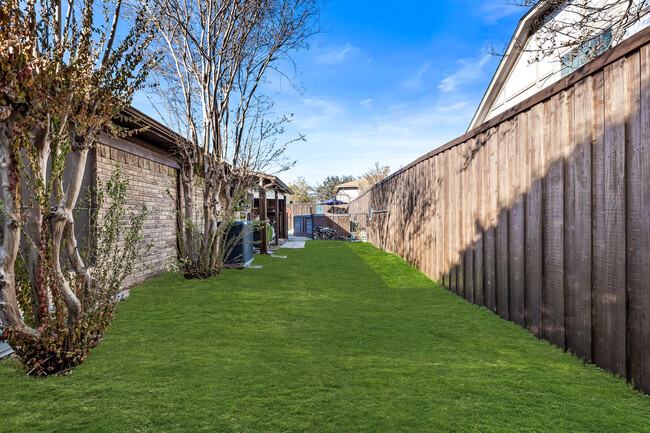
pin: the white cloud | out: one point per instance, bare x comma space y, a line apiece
493, 11
470, 70
342, 140
416, 81
366, 103
428, 119
335, 56
316, 111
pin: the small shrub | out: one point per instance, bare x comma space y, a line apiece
114, 244
200, 259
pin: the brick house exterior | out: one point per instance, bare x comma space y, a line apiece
148, 159
153, 184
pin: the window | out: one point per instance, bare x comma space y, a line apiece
582, 55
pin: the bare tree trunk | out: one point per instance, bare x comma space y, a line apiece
213, 182
34, 224
72, 251
187, 184
63, 219
263, 215
219, 54
9, 310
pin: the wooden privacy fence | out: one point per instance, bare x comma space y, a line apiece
301, 208
297, 209
339, 223
543, 213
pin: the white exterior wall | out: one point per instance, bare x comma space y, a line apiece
526, 79
347, 194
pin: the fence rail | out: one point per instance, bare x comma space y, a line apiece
543, 214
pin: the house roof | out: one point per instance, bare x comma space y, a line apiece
274, 183
167, 139
509, 60
351, 185
156, 133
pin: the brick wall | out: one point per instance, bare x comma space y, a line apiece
151, 183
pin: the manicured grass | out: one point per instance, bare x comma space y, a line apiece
338, 337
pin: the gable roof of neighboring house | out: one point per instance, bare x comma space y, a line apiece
525, 30
509, 60
348, 185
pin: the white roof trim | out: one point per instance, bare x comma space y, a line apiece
508, 62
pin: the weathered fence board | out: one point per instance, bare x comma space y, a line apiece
598, 269
468, 217
460, 215
501, 230
553, 226
435, 204
534, 240
543, 214
427, 174
491, 203
451, 206
638, 232
516, 223
455, 220
609, 344
478, 223
442, 221
577, 233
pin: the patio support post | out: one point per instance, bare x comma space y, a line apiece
264, 247
277, 217
285, 222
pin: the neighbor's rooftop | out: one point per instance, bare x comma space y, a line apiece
351, 184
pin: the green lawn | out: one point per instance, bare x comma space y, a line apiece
338, 337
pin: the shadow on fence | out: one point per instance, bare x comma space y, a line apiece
544, 218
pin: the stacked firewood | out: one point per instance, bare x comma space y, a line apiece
324, 233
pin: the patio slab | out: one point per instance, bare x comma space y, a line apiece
293, 244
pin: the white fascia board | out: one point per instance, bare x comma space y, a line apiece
508, 62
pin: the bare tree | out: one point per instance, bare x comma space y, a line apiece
65, 78
302, 191
218, 55
568, 29
373, 176
325, 189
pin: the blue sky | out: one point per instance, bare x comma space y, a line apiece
388, 81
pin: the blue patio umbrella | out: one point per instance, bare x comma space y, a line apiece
332, 201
